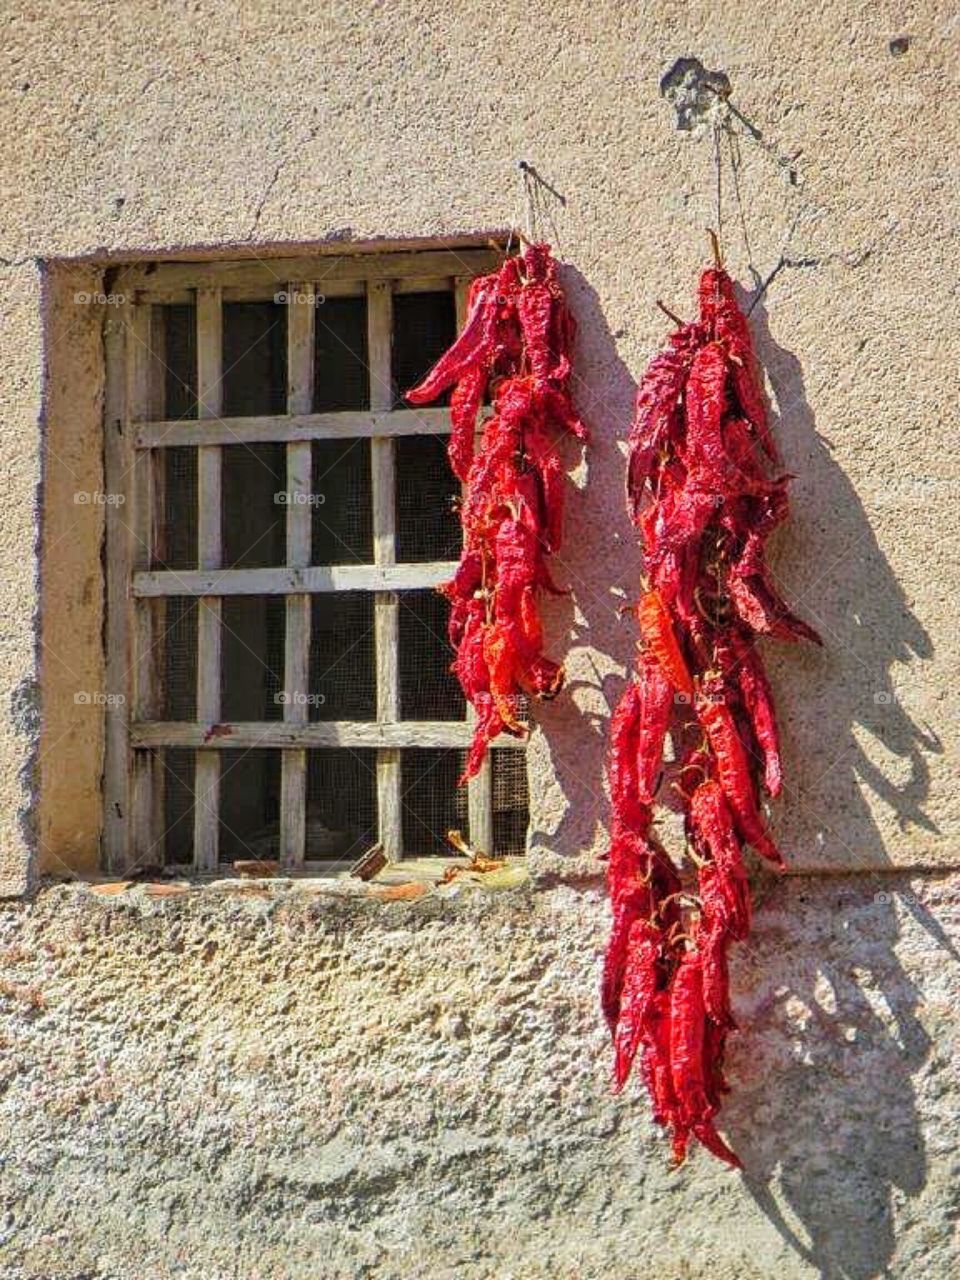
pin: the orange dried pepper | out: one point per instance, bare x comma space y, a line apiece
657, 631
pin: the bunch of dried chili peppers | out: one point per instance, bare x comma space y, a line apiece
704, 490
515, 350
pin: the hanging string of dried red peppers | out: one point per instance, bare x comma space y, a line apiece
701, 491
515, 346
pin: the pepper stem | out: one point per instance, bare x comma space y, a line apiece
695, 858
715, 244
671, 315
674, 936
690, 899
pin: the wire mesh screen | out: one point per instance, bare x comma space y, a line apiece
253, 515
342, 818
342, 530
424, 325
432, 803
428, 688
251, 671
341, 803
341, 380
254, 358
178, 802
249, 805
176, 534
511, 802
428, 498
178, 326
342, 681
175, 542
177, 629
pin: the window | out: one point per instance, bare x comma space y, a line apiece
276, 648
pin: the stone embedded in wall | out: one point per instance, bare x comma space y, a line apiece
696, 94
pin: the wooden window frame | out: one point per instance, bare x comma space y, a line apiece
135, 434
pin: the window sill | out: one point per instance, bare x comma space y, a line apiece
398, 882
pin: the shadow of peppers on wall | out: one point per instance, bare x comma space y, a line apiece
834, 1122
823, 1110
835, 573
600, 563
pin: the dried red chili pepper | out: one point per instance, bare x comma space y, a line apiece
699, 490
742, 450
632, 896
501, 658
757, 697
756, 600
515, 345
534, 307
657, 1070
474, 345
656, 629
640, 978
733, 768
657, 421
642, 880
710, 824
706, 406
654, 707
681, 516
631, 854
720, 314
552, 483
687, 1018
624, 725
713, 939
465, 404
630, 908
692, 1083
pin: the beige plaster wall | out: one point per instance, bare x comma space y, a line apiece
133, 130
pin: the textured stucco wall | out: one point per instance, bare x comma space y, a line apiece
299, 1086
210, 1086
